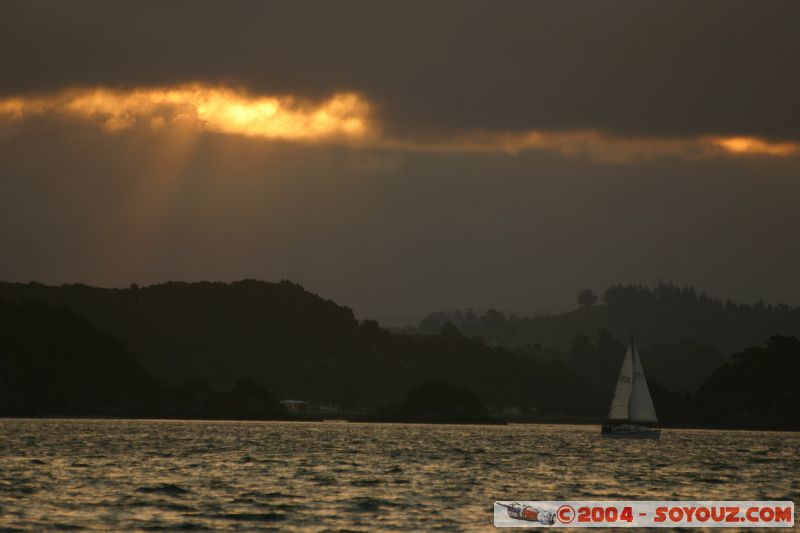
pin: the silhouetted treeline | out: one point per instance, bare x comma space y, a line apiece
759, 388
214, 331
53, 362
665, 315
201, 337
298, 345
500, 377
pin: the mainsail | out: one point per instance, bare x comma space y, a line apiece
632, 401
640, 407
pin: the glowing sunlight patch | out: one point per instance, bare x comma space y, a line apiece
753, 145
217, 109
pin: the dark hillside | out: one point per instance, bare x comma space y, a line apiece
299, 345
53, 362
760, 387
683, 336
215, 331
664, 315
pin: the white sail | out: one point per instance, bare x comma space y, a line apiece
640, 406
622, 394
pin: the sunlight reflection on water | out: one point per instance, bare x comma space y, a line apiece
123, 474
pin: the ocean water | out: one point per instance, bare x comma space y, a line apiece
122, 474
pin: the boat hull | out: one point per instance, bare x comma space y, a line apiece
629, 431
651, 434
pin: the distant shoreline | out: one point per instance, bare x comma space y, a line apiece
541, 422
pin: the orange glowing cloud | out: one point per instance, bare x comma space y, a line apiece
344, 116
601, 146
595, 145
753, 145
349, 118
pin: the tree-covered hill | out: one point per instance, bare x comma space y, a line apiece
251, 337
665, 314
683, 334
214, 331
53, 362
760, 387
298, 345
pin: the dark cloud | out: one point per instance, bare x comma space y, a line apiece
654, 68
397, 233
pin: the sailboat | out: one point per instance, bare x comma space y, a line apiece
632, 412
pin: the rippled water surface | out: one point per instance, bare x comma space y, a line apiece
115, 474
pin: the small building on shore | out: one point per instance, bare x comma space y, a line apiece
296, 406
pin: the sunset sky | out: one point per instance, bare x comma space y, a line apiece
404, 157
